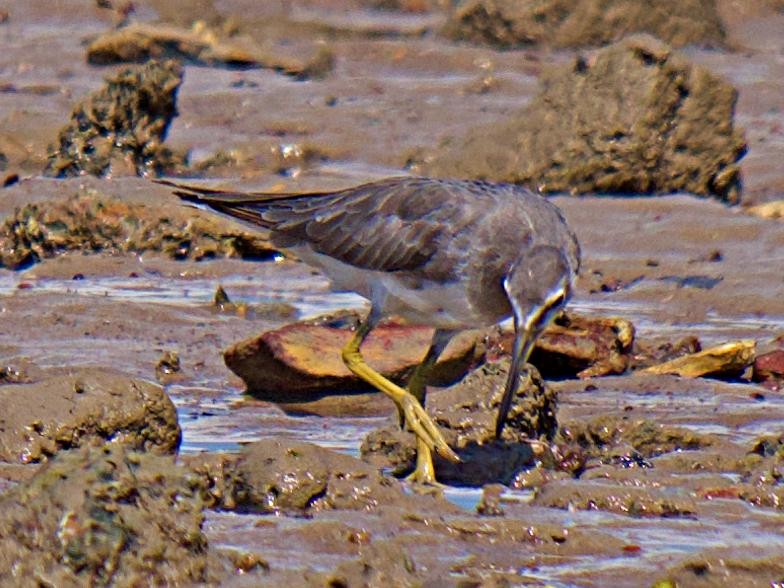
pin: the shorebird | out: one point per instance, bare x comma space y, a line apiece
450, 254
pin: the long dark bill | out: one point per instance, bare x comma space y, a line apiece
523, 344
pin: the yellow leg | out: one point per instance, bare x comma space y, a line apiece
414, 415
424, 472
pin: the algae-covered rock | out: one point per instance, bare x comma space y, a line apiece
637, 118
92, 223
121, 127
581, 23
107, 516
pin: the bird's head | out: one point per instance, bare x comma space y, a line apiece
538, 286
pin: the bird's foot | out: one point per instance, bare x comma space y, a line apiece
424, 473
420, 423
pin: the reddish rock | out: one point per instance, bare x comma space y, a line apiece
769, 369
301, 362
577, 346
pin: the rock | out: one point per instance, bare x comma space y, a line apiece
628, 500
139, 42
85, 407
581, 23
769, 369
301, 362
286, 476
574, 345
92, 223
721, 360
636, 118
773, 209
106, 516
466, 414
120, 129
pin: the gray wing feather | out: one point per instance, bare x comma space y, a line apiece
392, 225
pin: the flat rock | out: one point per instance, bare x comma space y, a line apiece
635, 118
725, 359
139, 42
466, 414
86, 407
302, 362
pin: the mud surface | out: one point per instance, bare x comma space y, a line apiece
648, 477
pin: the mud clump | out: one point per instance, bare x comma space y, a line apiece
292, 477
580, 23
627, 500
93, 223
614, 439
636, 119
89, 407
104, 517
120, 129
466, 414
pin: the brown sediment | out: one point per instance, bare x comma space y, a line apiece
104, 516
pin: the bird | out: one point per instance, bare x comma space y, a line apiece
451, 254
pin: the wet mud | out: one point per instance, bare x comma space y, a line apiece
129, 453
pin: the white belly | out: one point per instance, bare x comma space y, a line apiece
445, 306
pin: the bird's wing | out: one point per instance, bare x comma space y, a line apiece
392, 225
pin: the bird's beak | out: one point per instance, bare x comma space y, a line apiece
527, 328
523, 344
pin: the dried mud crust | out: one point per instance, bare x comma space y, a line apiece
88, 407
104, 517
121, 127
579, 23
93, 223
637, 118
